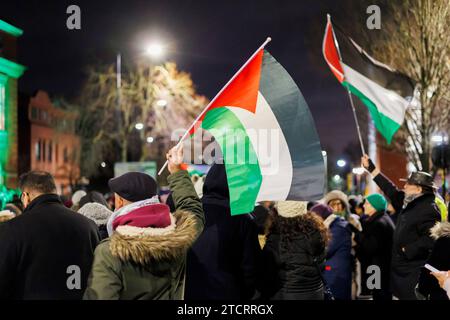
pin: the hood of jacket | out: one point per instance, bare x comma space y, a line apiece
215, 188
96, 212
144, 245
339, 195
440, 229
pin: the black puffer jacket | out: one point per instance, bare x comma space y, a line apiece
290, 272
412, 241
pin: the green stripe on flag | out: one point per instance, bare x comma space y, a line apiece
385, 125
241, 161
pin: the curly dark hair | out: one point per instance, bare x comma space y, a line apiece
306, 224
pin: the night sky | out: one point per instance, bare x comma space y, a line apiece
209, 39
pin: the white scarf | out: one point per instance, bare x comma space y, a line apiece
127, 209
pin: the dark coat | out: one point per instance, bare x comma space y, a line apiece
412, 241
374, 247
338, 265
37, 248
291, 269
103, 232
440, 259
222, 263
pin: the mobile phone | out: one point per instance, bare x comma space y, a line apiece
431, 268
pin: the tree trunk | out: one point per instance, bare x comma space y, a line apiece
124, 149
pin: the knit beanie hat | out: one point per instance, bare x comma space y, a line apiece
96, 212
377, 201
322, 210
291, 209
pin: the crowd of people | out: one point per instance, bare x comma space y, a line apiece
190, 247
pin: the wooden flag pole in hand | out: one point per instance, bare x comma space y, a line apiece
214, 99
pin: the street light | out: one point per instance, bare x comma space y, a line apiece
161, 103
139, 126
154, 50
341, 163
437, 138
358, 171
150, 139
103, 164
337, 178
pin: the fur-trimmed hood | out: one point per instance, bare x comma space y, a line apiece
337, 194
440, 229
143, 245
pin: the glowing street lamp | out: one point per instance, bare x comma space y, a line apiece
341, 163
437, 138
161, 103
139, 126
150, 139
358, 171
155, 50
103, 164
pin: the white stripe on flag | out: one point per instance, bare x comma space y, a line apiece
387, 102
271, 148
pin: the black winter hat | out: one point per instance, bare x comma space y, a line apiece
134, 186
93, 196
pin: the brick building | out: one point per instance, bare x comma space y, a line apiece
47, 140
10, 72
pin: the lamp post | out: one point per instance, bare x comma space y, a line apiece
155, 51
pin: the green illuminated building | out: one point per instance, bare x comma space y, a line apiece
10, 72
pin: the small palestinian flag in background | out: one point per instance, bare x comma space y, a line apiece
267, 136
384, 91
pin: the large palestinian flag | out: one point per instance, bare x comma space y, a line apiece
384, 91
267, 136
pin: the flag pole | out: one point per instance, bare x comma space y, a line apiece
348, 91
356, 122
216, 96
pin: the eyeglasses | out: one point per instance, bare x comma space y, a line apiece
335, 203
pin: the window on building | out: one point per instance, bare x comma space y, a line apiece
50, 151
66, 155
43, 151
34, 113
44, 115
37, 150
2, 106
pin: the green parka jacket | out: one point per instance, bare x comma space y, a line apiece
150, 265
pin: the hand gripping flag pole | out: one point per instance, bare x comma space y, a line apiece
212, 101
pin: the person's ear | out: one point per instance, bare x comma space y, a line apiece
118, 201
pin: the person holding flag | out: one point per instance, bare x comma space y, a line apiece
267, 136
418, 213
271, 165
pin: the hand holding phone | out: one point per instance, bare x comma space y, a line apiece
431, 268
